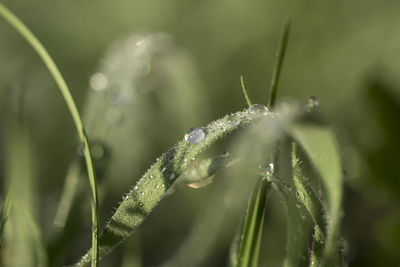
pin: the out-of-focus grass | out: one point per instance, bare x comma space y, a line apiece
337, 45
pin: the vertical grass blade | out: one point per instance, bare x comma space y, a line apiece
249, 248
314, 206
280, 55
19, 26
297, 226
5, 211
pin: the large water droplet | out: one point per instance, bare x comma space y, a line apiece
195, 136
258, 108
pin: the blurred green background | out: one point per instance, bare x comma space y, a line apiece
344, 52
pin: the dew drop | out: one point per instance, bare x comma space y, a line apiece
195, 136
300, 196
258, 108
163, 169
271, 168
172, 176
312, 103
98, 81
200, 184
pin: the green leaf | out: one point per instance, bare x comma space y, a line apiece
249, 248
313, 204
297, 225
139, 201
320, 145
5, 211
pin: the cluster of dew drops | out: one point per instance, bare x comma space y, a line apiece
197, 135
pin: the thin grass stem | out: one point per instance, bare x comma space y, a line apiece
280, 55
19, 26
246, 95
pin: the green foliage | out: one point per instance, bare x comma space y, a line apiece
250, 243
320, 145
138, 203
5, 211
181, 164
64, 90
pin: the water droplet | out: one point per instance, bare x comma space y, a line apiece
195, 136
151, 176
300, 196
258, 108
142, 194
312, 103
136, 187
172, 176
163, 169
98, 81
201, 183
271, 168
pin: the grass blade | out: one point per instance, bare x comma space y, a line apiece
280, 55
249, 248
19, 26
297, 226
314, 206
245, 93
150, 189
320, 145
5, 212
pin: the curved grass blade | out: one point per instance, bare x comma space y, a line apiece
320, 145
5, 211
120, 110
249, 248
213, 229
139, 201
20, 27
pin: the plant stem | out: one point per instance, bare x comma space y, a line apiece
280, 55
246, 95
19, 26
